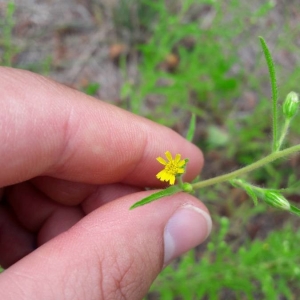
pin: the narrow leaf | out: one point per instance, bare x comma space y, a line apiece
192, 127
295, 210
273, 80
235, 183
164, 193
239, 183
292, 188
251, 194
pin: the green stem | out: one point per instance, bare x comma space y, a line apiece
283, 133
180, 181
271, 157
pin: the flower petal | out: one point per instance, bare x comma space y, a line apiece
167, 177
181, 163
169, 156
161, 160
164, 176
177, 158
172, 180
160, 175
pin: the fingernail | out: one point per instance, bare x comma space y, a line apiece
187, 228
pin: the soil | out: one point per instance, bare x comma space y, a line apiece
82, 39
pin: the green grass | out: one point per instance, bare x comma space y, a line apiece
198, 81
204, 79
7, 24
204, 83
213, 80
260, 269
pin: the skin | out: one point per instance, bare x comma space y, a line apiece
71, 166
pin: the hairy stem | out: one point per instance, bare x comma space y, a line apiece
271, 157
284, 132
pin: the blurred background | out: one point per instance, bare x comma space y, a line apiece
167, 59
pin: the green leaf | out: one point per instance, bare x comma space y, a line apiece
92, 88
192, 127
251, 194
164, 193
292, 188
216, 137
240, 183
295, 210
273, 80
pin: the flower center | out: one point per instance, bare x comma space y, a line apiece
171, 168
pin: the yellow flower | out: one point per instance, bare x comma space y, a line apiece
173, 167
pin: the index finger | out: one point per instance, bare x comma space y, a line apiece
50, 129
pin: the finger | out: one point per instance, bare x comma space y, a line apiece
105, 194
35, 212
15, 241
33, 209
72, 193
112, 253
49, 129
63, 191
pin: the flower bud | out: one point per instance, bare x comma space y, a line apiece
290, 105
187, 187
276, 200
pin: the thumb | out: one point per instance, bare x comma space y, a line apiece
112, 253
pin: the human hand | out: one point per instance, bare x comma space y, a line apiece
71, 166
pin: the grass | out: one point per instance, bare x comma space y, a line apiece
260, 269
203, 57
178, 70
7, 24
209, 80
